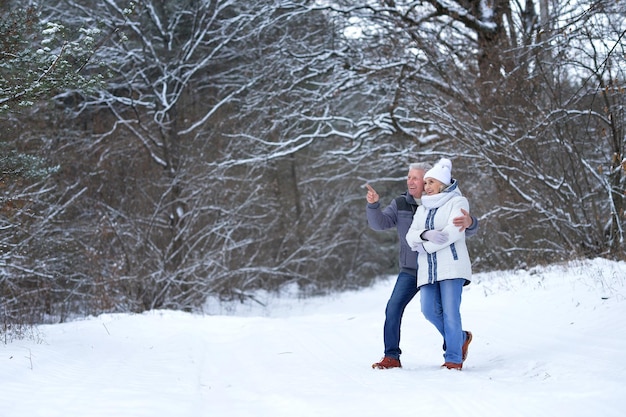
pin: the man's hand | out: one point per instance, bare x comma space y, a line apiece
372, 195
464, 221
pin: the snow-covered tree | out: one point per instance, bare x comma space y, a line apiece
228, 149
209, 171
39, 59
528, 100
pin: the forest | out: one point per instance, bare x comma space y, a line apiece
155, 153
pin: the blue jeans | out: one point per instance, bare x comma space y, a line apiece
441, 305
403, 292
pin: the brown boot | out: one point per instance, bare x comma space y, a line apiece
387, 363
468, 340
452, 365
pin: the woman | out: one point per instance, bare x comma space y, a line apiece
443, 263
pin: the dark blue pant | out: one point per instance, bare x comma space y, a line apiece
403, 292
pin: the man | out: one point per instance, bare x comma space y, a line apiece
399, 214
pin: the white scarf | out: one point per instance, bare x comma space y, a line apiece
438, 200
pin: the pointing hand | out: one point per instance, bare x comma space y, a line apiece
372, 195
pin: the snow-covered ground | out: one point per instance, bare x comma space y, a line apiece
547, 342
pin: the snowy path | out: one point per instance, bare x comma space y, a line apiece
545, 344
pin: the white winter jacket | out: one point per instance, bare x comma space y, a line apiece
449, 260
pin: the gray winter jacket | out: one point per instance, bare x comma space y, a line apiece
399, 214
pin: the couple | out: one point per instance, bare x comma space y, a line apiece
432, 220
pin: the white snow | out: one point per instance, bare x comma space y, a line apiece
547, 342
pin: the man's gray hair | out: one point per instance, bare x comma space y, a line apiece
423, 166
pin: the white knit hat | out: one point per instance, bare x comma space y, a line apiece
442, 171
